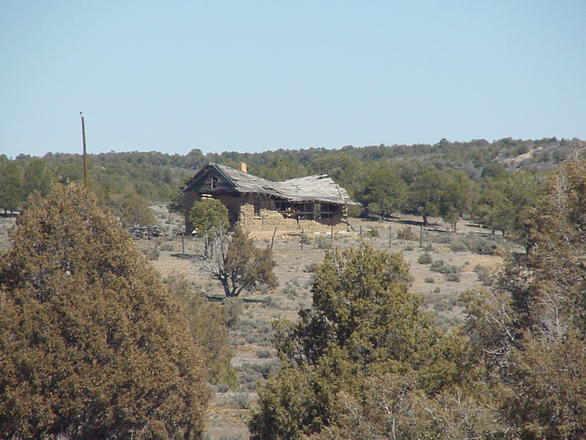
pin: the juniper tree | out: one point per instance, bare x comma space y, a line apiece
209, 219
91, 343
364, 324
529, 325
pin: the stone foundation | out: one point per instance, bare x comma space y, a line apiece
269, 219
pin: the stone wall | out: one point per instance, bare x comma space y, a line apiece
270, 219
241, 210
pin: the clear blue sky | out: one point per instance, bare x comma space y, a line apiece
259, 75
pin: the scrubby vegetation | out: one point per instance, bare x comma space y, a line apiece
495, 183
92, 345
365, 362
238, 264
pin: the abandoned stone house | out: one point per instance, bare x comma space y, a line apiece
311, 204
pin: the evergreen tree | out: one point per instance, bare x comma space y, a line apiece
425, 193
529, 326
384, 192
11, 190
209, 219
91, 343
364, 324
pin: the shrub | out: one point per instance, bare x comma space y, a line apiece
364, 322
222, 388
405, 233
264, 354
454, 277
458, 246
257, 332
92, 345
310, 267
232, 311
425, 259
271, 302
323, 242
484, 275
441, 267
373, 233
290, 289
429, 280
207, 323
209, 217
239, 265
152, 253
132, 209
239, 400
254, 371
478, 245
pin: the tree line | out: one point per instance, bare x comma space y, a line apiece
480, 179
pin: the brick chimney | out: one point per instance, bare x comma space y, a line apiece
243, 167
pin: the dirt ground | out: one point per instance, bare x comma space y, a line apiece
250, 337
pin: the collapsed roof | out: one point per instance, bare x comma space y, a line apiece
318, 188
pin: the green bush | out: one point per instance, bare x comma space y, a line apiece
209, 217
425, 259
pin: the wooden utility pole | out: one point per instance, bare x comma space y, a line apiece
84, 151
